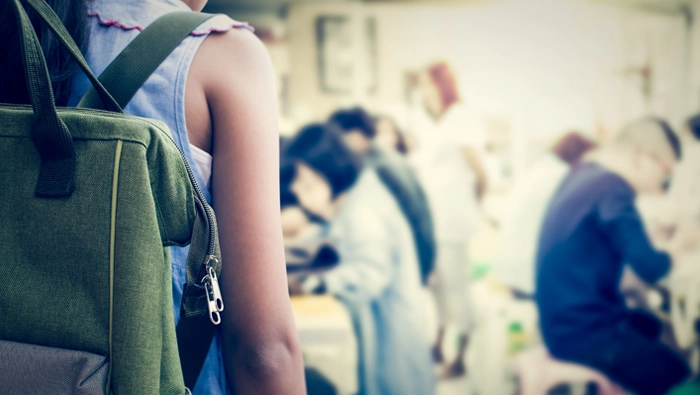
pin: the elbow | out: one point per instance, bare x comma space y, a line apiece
264, 360
653, 271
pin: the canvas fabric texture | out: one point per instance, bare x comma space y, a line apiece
63, 259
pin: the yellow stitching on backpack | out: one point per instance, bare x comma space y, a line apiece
112, 238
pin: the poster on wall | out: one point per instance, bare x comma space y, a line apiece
346, 55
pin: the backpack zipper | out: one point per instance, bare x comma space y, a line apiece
207, 273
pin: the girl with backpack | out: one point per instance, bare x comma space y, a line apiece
216, 94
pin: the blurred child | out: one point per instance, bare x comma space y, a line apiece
377, 277
591, 230
224, 119
447, 160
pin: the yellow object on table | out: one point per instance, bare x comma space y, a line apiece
327, 339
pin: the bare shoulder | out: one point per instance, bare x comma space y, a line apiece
233, 75
233, 57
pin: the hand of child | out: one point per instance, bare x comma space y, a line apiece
293, 222
686, 237
661, 234
295, 284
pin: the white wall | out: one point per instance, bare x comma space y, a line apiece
545, 65
693, 94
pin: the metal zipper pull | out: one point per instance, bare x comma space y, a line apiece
214, 315
216, 290
215, 303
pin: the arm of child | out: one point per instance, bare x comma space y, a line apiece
623, 227
232, 77
365, 269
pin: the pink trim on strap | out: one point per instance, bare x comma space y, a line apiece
234, 25
112, 22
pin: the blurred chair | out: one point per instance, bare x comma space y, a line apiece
538, 373
505, 327
684, 287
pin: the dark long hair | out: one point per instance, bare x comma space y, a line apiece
13, 88
355, 118
321, 147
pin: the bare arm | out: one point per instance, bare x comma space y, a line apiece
474, 161
232, 74
682, 242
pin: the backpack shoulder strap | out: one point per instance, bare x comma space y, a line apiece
132, 67
123, 78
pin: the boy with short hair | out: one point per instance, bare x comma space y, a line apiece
591, 230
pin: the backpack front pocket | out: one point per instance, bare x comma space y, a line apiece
32, 369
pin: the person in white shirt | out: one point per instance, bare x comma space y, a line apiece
684, 191
682, 199
447, 159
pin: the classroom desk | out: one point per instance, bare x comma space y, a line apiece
327, 339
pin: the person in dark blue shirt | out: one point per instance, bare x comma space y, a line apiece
592, 229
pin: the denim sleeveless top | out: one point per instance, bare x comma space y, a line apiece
112, 24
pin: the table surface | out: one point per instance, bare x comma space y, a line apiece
327, 339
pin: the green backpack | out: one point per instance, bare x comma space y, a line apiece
91, 202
